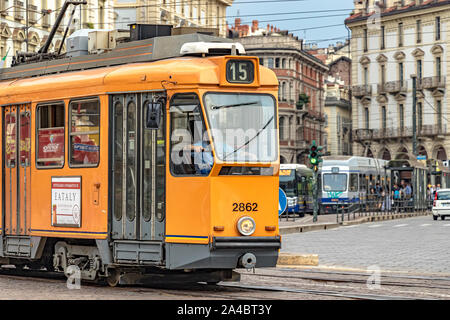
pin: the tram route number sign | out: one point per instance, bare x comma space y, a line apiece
240, 71
66, 202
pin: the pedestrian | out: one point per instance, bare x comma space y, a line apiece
408, 195
397, 197
387, 199
429, 199
381, 199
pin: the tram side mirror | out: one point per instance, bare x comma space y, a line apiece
153, 110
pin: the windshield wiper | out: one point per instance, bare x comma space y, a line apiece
250, 140
234, 105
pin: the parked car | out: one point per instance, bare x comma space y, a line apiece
441, 204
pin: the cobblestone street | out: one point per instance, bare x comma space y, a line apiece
412, 244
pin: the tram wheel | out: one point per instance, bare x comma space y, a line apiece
113, 277
442, 217
435, 217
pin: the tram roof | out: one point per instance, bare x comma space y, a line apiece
352, 161
183, 71
299, 167
153, 49
406, 164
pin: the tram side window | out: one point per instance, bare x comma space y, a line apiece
190, 149
362, 183
50, 136
353, 182
84, 133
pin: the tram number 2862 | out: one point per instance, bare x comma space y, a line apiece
242, 206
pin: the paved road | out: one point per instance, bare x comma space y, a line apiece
414, 244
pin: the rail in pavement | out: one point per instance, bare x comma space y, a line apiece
328, 221
324, 222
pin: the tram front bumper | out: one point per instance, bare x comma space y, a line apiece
225, 253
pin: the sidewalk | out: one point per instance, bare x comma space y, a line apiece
329, 221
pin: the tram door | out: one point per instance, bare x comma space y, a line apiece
17, 172
138, 170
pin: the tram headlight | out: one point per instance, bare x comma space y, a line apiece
246, 226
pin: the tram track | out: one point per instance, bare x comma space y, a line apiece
352, 285
328, 293
273, 284
355, 273
383, 280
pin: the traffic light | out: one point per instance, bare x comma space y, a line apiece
315, 157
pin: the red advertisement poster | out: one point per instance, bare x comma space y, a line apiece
51, 144
10, 138
25, 142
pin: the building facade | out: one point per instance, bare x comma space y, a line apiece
301, 92
25, 25
179, 13
337, 88
338, 115
393, 42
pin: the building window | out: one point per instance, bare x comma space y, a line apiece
50, 135
400, 72
401, 112
438, 68
277, 63
84, 133
282, 128
382, 38
365, 41
400, 34
419, 31
270, 63
291, 92
366, 118
383, 74
439, 114
420, 116
438, 28
366, 76
383, 118
261, 61
419, 69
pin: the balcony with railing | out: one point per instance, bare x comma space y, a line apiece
3, 8
437, 131
45, 18
395, 87
362, 134
381, 88
362, 91
433, 131
18, 10
431, 83
32, 13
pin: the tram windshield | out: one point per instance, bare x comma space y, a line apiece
336, 182
288, 183
243, 126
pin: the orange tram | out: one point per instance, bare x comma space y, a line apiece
101, 170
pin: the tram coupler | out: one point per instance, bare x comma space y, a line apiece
248, 261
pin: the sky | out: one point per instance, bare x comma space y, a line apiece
297, 17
